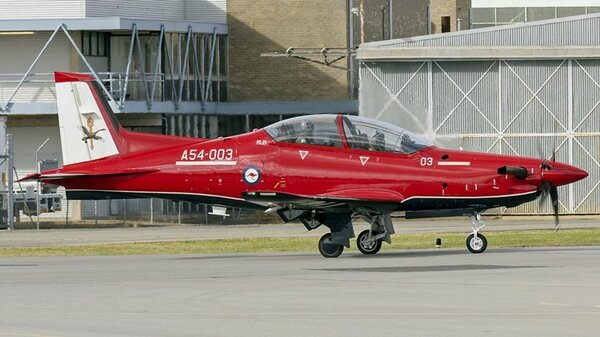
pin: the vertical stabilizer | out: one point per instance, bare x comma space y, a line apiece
88, 128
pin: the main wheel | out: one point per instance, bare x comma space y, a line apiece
366, 244
477, 244
327, 249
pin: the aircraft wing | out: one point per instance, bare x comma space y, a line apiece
348, 198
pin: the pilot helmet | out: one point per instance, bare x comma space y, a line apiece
306, 125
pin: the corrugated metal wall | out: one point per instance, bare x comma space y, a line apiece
143, 9
570, 31
18, 52
210, 11
511, 107
213, 11
38, 9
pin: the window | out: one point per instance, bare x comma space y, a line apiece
372, 135
569, 11
591, 10
312, 130
540, 13
95, 43
484, 15
510, 15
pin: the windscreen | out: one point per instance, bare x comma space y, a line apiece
374, 135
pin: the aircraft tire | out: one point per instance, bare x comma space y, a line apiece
327, 249
366, 247
476, 245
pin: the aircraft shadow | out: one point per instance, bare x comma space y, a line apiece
421, 269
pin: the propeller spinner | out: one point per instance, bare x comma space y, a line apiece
555, 174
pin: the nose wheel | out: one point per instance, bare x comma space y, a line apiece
328, 249
476, 243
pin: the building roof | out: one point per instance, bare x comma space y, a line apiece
110, 24
569, 37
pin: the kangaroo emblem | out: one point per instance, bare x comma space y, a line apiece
90, 134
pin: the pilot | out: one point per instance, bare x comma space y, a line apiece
407, 144
377, 141
305, 136
286, 134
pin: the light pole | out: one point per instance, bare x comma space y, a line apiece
382, 9
390, 11
37, 195
11, 200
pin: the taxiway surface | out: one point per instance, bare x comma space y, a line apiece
79, 236
503, 292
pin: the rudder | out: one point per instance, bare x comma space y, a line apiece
88, 130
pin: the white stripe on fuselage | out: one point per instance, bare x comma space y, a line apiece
469, 197
207, 163
454, 163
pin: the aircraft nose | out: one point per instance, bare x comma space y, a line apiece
564, 174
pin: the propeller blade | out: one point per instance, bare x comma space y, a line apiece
554, 198
546, 186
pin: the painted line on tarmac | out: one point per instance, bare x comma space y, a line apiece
255, 314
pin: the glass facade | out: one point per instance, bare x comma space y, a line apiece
95, 43
179, 72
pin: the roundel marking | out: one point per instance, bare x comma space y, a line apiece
251, 175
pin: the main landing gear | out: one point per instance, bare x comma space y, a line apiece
368, 241
476, 242
328, 249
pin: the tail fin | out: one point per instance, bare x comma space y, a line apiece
88, 127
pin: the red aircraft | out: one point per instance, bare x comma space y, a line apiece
318, 169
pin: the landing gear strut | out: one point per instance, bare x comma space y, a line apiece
476, 242
340, 224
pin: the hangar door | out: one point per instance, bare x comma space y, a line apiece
526, 108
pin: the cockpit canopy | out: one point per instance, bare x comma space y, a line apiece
359, 132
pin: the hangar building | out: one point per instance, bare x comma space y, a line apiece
522, 89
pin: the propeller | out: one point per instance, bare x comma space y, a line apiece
548, 189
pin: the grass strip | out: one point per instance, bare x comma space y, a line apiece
538, 238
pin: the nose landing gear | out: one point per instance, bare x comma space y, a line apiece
476, 242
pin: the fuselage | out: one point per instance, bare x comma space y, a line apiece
214, 171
